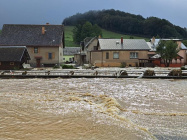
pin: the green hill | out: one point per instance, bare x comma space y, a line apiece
126, 23
106, 34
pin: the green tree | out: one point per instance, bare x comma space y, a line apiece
184, 42
168, 51
77, 33
96, 30
85, 29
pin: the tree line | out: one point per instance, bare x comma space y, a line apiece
126, 23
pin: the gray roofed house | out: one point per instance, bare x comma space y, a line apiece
115, 52
69, 53
87, 45
13, 57
45, 43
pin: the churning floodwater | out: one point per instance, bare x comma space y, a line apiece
94, 109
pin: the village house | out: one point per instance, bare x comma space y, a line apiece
181, 59
13, 57
117, 52
44, 42
83, 56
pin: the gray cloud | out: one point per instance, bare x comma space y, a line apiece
54, 11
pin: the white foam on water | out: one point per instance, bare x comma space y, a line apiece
145, 107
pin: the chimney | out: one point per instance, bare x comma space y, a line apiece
47, 23
43, 30
153, 40
121, 40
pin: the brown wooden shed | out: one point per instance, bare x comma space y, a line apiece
13, 57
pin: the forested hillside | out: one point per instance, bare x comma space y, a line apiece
126, 23
105, 34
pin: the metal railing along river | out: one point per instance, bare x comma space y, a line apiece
87, 73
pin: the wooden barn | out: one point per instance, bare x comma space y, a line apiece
13, 57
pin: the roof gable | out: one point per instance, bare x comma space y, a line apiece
31, 35
14, 54
128, 44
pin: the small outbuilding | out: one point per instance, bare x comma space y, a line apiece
68, 54
13, 57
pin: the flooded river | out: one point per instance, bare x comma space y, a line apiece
94, 109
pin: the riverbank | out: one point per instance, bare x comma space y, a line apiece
131, 72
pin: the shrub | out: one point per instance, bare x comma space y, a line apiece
16, 68
183, 68
175, 72
149, 73
123, 65
56, 67
67, 66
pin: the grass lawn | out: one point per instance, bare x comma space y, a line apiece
69, 37
113, 35
106, 34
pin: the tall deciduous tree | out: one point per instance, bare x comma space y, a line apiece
86, 29
168, 51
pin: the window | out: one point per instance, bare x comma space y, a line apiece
95, 48
35, 49
107, 55
49, 55
133, 55
70, 59
116, 55
11, 63
0, 63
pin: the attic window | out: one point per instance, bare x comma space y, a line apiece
11, 63
95, 48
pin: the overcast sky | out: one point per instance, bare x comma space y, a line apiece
54, 11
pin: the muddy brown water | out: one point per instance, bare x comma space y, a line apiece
110, 109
